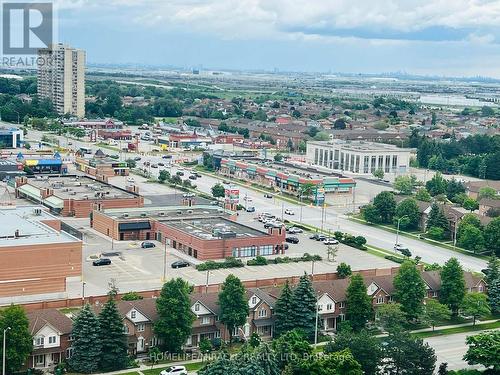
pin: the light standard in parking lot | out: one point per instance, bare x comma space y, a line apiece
165, 262
206, 285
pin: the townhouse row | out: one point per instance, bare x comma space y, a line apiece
51, 329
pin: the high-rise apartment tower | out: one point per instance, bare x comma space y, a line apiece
61, 78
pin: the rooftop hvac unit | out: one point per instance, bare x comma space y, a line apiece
37, 211
189, 211
144, 214
125, 215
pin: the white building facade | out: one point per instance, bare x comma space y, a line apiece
61, 78
358, 156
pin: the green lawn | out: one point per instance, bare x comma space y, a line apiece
450, 331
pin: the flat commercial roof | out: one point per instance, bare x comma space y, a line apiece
168, 212
213, 228
27, 220
360, 145
79, 187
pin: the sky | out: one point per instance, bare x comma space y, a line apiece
439, 37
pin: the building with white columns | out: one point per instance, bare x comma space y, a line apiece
358, 156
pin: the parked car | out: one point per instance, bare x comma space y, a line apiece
318, 237
294, 230
292, 239
272, 224
267, 195
102, 262
199, 175
161, 164
248, 199
180, 264
289, 212
154, 166
147, 244
330, 241
179, 173
174, 370
137, 158
192, 177
250, 209
166, 157
130, 179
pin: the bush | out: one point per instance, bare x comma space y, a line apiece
304, 258
131, 296
257, 261
436, 233
394, 259
230, 262
216, 343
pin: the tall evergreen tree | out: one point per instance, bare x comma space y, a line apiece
233, 303
112, 337
175, 317
452, 290
494, 295
86, 342
493, 270
266, 359
18, 340
437, 218
303, 314
359, 304
283, 312
410, 290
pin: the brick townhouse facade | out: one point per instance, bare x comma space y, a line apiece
139, 316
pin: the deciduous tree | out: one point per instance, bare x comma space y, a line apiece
175, 317
385, 204
391, 317
483, 350
452, 290
435, 312
475, 305
18, 340
359, 304
218, 190
409, 212
410, 289
344, 270
233, 303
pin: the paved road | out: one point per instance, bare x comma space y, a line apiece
333, 217
451, 349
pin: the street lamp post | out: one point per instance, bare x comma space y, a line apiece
206, 284
316, 325
397, 230
165, 262
4, 348
83, 292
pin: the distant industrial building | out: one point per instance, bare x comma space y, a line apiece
61, 78
11, 137
77, 196
358, 156
10, 169
36, 255
203, 232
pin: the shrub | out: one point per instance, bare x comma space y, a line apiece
436, 233
257, 261
394, 259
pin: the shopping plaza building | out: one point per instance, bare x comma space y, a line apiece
358, 156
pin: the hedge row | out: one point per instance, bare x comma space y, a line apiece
261, 261
230, 262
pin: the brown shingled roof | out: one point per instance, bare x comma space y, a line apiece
39, 318
209, 300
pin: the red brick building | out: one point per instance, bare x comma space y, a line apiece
203, 232
36, 256
73, 195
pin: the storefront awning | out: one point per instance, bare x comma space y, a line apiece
139, 225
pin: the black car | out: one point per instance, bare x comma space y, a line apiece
180, 264
292, 239
318, 237
147, 244
198, 175
101, 262
268, 195
161, 164
192, 177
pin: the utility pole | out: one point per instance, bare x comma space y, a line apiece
397, 230
322, 216
4, 347
83, 292
316, 325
